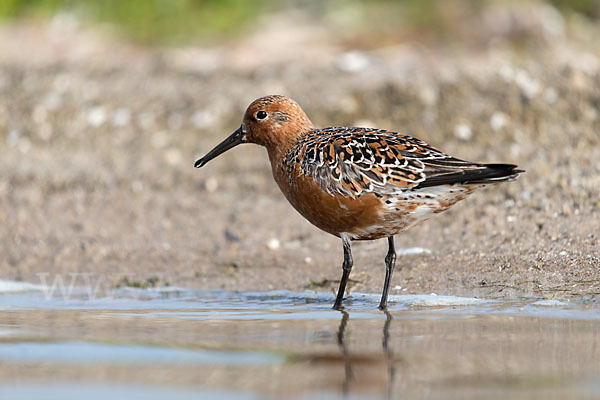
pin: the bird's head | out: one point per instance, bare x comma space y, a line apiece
273, 121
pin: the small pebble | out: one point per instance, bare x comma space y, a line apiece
175, 121
13, 137
137, 186
498, 120
230, 236
96, 116
211, 184
529, 86
40, 114
146, 119
463, 131
273, 244
353, 61
173, 156
121, 117
24, 145
45, 132
160, 140
550, 95
203, 119
429, 96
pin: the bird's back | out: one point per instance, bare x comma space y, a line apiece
402, 178
353, 161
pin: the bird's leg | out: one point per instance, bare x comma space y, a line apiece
390, 262
346, 268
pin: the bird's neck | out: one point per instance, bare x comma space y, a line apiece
279, 149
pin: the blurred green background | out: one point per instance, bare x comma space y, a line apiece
178, 22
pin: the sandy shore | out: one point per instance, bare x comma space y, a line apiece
99, 141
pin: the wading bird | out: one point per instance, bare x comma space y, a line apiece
357, 183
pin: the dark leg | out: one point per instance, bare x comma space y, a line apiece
346, 268
390, 262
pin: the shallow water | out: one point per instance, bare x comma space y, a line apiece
184, 344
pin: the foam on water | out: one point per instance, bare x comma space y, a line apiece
13, 286
550, 303
253, 305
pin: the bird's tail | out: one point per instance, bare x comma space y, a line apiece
475, 174
493, 173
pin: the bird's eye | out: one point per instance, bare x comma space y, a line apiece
261, 115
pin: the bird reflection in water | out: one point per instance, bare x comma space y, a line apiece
354, 364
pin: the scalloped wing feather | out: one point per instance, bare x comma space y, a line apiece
353, 161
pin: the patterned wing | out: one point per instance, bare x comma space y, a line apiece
353, 161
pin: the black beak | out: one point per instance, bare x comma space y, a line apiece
233, 140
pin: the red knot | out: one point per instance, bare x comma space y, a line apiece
357, 183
